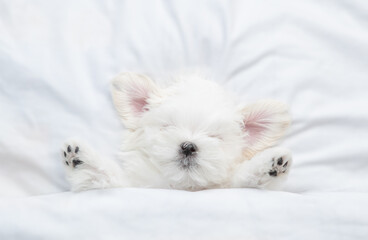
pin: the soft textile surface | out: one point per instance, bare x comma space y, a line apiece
171, 214
58, 57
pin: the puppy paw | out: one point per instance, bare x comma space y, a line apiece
276, 163
77, 155
267, 169
280, 164
71, 155
80, 164
86, 170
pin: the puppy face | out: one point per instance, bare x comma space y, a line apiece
193, 132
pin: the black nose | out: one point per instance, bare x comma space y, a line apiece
188, 148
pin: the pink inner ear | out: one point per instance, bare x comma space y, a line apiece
256, 124
138, 98
139, 104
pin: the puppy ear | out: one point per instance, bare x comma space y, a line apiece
265, 122
131, 94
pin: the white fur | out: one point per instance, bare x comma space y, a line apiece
231, 139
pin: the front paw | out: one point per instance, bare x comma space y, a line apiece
71, 154
280, 164
275, 167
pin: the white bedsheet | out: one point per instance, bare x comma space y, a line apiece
56, 61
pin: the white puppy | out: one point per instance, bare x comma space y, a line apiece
191, 135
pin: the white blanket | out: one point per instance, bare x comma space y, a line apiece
58, 57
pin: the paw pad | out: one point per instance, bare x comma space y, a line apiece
76, 162
279, 161
71, 156
279, 165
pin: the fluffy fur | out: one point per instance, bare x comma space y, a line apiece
191, 135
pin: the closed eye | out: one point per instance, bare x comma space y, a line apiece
165, 126
216, 136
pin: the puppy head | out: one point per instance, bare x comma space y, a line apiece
192, 131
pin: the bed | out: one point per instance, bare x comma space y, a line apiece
57, 59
